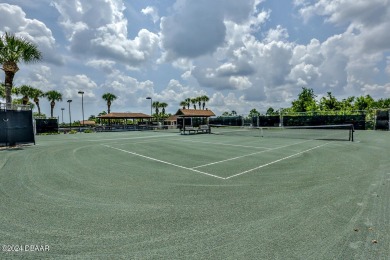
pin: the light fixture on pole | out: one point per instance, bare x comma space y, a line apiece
70, 115
82, 103
62, 110
151, 105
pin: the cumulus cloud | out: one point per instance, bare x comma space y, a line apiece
99, 28
152, 12
197, 28
39, 76
105, 65
367, 26
276, 69
73, 84
14, 20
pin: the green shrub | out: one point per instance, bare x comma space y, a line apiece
72, 132
88, 131
49, 133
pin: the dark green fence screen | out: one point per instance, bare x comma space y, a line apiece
16, 127
382, 120
46, 125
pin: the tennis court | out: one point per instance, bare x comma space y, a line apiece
158, 194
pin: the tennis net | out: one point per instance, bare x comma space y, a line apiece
320, 132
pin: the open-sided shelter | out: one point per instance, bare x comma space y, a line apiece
193, 117
125, 116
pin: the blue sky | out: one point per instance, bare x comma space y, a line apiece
242, 54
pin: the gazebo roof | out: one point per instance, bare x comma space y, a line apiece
171, 118
87, 122
194, 113
121, 115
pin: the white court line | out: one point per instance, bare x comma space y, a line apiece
130, 138
233, 145
242, 156
279, 160
157, 160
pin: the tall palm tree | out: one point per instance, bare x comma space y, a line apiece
183, 104
194, 101
36, 94
27, 93
53, 96
199, 100
156, 106
163, 105
204, 99
188, 101
14, 50
109, 97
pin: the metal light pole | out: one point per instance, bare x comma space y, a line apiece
62, 110
151, 105
70, 115
82, 103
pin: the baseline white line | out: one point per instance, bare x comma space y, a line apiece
282, 159
168, 163
130, 138
242, 156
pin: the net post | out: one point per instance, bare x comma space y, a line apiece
351, 130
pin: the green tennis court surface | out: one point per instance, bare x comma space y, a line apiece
161, 195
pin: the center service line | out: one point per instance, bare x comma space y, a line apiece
157, 160
267, 164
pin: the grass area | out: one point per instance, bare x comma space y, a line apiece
162, 195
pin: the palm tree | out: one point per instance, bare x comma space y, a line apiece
36, 94
194, 101
27, 93
199, 99
156, 105
204, 99
14, 50
53, 96
163, 105
109, 97
188, 101
183, 104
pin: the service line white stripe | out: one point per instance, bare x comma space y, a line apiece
233, 145
282, 159
246, 155
168, 163
131, 138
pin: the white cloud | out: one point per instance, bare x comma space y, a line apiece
228, 48
14, 20
387, 69
382, 91
184, 34
277, 34
99, 28
104, 65
39, 76
152, 12
73, 84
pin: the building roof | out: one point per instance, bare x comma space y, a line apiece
194, 113
87, 122
121, 115
171, 118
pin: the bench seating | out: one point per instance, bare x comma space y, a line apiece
195, 130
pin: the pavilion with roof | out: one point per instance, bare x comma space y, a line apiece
193, 117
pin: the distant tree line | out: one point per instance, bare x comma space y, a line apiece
307, 102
